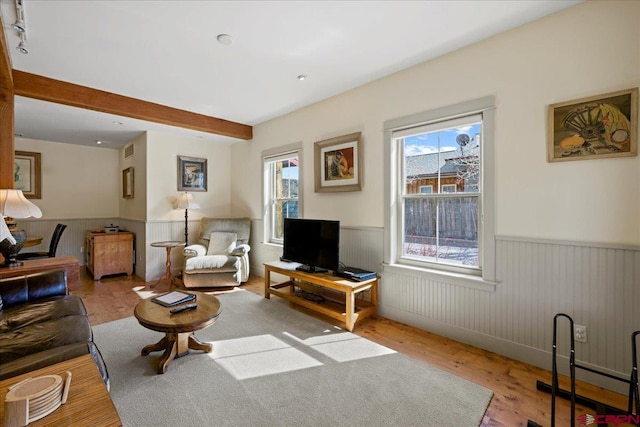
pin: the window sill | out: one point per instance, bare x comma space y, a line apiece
457, 279
275, 245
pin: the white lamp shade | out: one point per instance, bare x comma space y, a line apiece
15, 205
186, 201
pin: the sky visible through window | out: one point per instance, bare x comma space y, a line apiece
290, 172
428, 142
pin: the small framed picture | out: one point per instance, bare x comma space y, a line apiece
127, 183
192, 174
596, 127
27, 174
338, 164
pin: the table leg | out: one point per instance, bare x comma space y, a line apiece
169, 353
196, 344
175, 345
167, 273
267, 282
374, 299
160, 345
350, 310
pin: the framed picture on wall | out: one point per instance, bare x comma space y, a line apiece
338, 164
27, 174
595, 127
192, 174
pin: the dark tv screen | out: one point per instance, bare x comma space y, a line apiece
312, 242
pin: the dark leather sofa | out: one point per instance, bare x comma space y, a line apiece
41, 324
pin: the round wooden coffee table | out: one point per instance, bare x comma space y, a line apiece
178, 328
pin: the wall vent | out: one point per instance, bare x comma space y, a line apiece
128, 151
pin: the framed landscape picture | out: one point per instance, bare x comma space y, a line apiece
192, 174
27, 174
594, 128
338, 164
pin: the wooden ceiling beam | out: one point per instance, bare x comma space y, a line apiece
6, 77
7, 142
47, 89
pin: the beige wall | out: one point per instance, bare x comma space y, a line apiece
136, 208
86, 182
162, 178
544, 210
77, 182
588, 49
81, 183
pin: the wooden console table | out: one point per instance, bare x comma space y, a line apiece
69, 263
338, 286
88, 404
108, 253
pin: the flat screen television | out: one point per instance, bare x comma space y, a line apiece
314, 243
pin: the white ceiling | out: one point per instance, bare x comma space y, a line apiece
166, 52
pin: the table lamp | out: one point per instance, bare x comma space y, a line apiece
186, 201
13, 204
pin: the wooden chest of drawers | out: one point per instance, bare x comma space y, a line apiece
108, 253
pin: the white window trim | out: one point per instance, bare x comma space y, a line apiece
270, 156
485, 106
426, 186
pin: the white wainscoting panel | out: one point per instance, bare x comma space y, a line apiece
362, 247
359, 247
72, 239
149, 261
596, 284
156, 258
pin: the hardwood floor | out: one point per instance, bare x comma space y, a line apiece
516, 399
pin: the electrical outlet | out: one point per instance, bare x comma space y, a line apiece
580, 333
81, 249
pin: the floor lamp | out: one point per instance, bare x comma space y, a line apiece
14, 204
186, 201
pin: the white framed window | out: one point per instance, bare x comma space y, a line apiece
451, 231
426, 189
282, 190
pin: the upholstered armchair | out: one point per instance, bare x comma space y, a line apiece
221, 256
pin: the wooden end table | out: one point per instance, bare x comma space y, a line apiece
168, 245
88, 403
178, 328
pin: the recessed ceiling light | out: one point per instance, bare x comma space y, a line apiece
98, 142
224, 39
301, 77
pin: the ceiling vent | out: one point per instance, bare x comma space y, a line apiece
128, 151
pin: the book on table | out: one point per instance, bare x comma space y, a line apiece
174, 298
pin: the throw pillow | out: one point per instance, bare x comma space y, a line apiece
221, 243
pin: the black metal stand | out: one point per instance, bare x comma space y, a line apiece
186, 227
601, 408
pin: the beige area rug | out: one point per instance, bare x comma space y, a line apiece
274, 366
